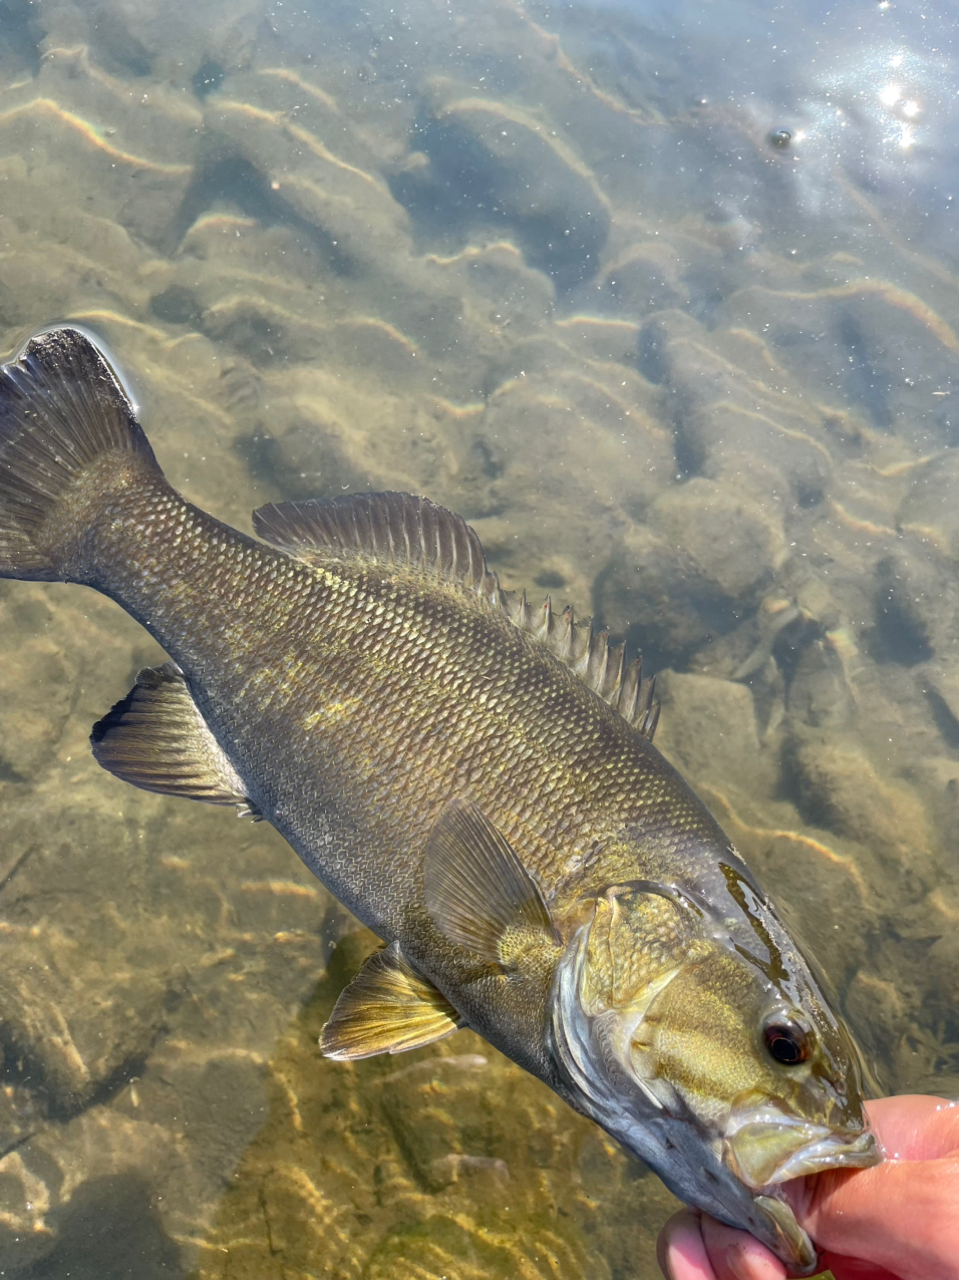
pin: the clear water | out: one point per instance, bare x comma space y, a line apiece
663, 299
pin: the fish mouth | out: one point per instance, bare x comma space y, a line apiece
765, 1146
804, 1148
830, 1152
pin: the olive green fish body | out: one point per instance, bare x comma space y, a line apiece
473, 780
355, 700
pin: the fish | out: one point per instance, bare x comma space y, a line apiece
472, 777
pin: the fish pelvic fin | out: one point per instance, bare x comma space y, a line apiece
68, 436
157, 738
478, 892
387, 1008
400, 529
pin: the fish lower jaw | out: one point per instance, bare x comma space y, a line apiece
764, 1154
692, 1168
861, 1153
793, 1244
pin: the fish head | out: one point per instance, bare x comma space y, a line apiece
707, 1048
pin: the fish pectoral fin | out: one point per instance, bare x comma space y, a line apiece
477, 891
156, 738
387, 1008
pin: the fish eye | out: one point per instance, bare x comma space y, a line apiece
787, 1043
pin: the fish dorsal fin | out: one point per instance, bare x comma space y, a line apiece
401, 529
392, 527
477, 891
387, 1008
156, 738
589, 654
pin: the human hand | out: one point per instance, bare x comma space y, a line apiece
896, 1221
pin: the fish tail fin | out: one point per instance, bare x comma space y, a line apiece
69, 438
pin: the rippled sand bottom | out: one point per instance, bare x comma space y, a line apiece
449, 1162
693, 427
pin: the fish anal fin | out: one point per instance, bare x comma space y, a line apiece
156, 738
387, 1008
477, 890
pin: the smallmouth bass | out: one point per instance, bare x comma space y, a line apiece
474, 779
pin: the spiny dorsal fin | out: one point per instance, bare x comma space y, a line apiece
401, 529
589, 654
476, 889
157, 738
387, 1008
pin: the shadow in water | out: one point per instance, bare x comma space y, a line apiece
109, 1231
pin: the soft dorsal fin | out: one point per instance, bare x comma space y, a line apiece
401, 529
394, 527
477, 891
156, 738
387, 1008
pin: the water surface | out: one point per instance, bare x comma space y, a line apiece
663, 300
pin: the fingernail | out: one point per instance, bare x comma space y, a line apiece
662, 1257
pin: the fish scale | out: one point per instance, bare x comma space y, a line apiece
475, 780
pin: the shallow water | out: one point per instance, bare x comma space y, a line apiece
558, 267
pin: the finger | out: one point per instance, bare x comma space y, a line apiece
915, 1127
854, 1268
736, 1255
899, 1215
680, 1249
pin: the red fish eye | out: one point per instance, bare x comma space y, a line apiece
787, 1043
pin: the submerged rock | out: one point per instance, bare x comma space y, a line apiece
709, 732
867, 343
916, 603
700, 564
839, 788
501, 165
733, 414
928, 513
